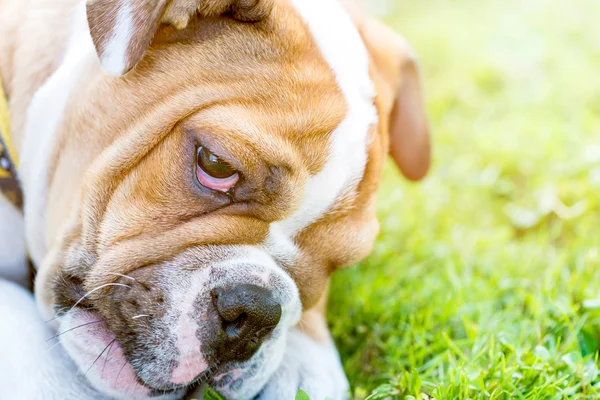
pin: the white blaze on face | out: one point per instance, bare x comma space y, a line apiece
343, 49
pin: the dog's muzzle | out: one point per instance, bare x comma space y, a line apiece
208, 311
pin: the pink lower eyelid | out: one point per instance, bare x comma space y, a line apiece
222, 185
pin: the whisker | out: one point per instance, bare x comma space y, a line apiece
302, 324
53, 346
77, 327
107, 355
62, 312
99, 355
52, 319
123, 276
119, 374
142, 284
140, 316
58, 312
96, 289
106, 358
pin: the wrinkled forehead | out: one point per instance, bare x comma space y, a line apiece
302, 76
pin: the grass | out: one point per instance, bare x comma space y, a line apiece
485, 281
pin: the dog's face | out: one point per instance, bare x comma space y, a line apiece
229, 174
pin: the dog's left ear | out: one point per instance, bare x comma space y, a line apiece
400, 99
122, 30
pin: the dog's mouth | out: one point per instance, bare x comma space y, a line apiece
102, 359
86, 335
99, 355
114, 349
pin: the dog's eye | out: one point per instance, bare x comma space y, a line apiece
214, 173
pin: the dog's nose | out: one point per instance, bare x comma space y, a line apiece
247, 314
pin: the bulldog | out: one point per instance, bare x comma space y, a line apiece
193, 173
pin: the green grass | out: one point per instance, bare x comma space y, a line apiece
485, 280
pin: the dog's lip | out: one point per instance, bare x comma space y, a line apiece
95, 324
91, 337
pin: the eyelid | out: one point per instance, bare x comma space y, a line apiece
207, 138
221, 185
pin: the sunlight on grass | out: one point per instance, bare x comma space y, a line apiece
485, 282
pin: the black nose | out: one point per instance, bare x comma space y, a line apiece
248, 314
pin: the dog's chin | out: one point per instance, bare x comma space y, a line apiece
93, 347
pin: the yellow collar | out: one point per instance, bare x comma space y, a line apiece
9, 185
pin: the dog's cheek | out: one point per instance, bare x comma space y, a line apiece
335, 242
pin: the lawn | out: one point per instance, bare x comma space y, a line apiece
485, 280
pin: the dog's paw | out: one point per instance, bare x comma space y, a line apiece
307, 365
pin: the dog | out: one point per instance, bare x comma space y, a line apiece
193, 173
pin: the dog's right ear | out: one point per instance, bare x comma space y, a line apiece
403, 110
122, 30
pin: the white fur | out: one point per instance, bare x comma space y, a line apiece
281, 245
342, 47
310, 366
41, 128
114, 57
191, 363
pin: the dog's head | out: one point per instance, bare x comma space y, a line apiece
218, 185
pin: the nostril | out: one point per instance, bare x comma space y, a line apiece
236, 327
239, 322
